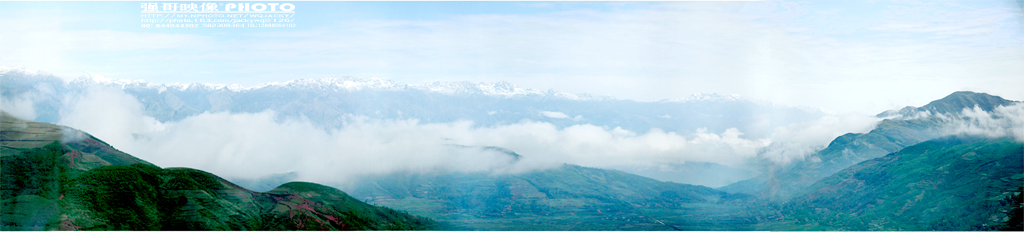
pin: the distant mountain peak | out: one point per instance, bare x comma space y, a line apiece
957, 101
953, 103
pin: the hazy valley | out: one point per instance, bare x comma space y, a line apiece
479, 156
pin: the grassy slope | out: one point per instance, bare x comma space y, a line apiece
944, 184
85, 184
566, 198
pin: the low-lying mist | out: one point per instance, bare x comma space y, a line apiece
1003, 121
253, 145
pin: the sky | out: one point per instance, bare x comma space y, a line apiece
855, 58
843, 56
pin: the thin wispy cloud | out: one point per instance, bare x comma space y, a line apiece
554, 114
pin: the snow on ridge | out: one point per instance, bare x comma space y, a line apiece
92, 78
505, 89
96, 79
581, 97
347, 83
715, 97
709, 97
463, 87
500, 89
19, 69
495, 89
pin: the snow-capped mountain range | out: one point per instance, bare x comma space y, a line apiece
500, 89
328, 101
348, 83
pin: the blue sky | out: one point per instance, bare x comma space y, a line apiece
845, 56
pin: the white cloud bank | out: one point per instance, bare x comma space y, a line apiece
1003, 121
22, 105
19, 106
247, 145
798, 140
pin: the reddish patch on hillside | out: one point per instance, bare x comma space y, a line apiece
68, 225
71, 157
306, 214
305, 210
335, 220
305, 206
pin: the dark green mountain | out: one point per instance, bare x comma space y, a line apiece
951, 183
56, 177
566, 198
891, 135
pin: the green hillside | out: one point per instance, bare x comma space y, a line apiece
59, 178
566, 198
952, 183
890, 135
